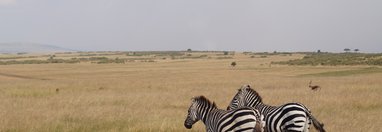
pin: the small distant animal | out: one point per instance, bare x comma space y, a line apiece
314, 87
57, 90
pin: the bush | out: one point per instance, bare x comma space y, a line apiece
233, 64
225, 52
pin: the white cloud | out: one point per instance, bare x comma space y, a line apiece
7, 2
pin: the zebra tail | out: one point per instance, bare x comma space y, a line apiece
258, 127
319, 126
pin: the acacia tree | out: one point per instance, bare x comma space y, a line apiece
356, 50
346, 49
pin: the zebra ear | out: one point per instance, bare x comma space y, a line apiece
245, 86
193, 98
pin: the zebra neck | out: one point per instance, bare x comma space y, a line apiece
264, 109
256, 104
204, 113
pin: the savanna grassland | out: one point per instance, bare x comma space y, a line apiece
153, 92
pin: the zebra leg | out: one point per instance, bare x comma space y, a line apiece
307, 125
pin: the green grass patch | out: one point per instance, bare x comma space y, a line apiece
368, 70
334, 59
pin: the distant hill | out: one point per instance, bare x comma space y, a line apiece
30, 48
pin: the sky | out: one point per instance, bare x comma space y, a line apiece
239, 25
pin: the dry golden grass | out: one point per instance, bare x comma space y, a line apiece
141, 96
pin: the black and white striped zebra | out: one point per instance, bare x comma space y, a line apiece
217, 120
290, 117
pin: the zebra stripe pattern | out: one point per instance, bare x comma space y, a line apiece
294, 117
217, 120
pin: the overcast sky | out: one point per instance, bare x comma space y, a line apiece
241, 25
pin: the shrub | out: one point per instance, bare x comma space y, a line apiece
233, 64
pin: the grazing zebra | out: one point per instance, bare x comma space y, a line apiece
290, 117
217, 120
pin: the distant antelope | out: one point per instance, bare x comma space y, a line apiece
314, 87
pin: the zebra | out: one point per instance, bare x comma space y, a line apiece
218, 120
290, 117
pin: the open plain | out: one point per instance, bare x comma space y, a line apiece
155, 95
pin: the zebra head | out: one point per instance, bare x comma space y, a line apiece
245, 96
192, 115
198, 110
237, 99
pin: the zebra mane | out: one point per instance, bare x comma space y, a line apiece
204, 100
253, 92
